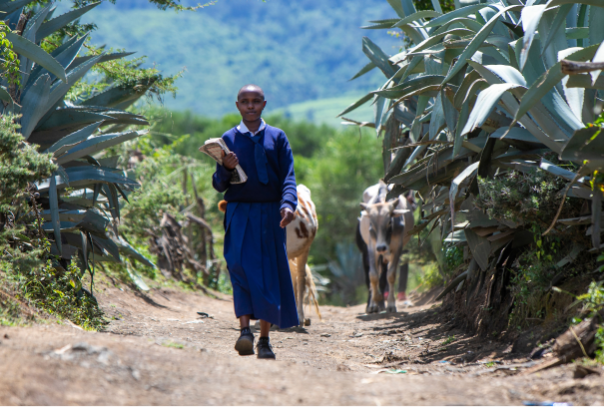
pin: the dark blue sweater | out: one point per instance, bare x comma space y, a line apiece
281, 185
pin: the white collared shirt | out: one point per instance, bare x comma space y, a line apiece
242, 128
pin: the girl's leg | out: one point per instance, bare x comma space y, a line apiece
244, 321
245, 343
264, 348
264, 328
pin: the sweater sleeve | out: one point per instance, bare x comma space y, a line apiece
221, 178
289, 195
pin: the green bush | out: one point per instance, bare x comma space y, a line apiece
27, 270
530, 197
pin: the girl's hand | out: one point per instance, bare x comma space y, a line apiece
286, 217
229, 161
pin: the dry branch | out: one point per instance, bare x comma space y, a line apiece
576, 68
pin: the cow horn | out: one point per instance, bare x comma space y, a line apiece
364, 205
400, 212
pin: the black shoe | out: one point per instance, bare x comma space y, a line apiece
245, 343
264, 349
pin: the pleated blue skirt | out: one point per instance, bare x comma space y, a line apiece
256, 255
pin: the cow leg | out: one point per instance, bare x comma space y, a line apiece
301, 285
392, 268
374, 291
383, 282
364, 254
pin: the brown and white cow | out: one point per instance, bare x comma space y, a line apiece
383, 227
300, 234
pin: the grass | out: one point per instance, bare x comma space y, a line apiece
174, 345
324, 111
449, 340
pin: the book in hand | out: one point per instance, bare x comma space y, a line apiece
214, 148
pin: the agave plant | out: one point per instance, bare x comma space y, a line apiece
82, 197
480, 91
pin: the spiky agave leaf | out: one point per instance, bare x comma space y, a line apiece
71, 133
488, 96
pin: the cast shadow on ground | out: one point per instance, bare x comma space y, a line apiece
149, 300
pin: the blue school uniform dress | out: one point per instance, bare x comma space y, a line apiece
254, 243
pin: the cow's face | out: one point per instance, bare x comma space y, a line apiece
381, 216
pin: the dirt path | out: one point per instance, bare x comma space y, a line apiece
159, 351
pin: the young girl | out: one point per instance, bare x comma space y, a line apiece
256, 216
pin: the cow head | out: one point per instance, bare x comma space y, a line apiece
381, 216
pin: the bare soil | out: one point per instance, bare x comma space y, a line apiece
158, 350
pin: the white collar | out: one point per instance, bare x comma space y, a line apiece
242, 128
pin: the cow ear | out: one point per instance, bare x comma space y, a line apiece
399, 212
364, 205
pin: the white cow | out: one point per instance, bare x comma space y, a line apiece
383, 227
300, 234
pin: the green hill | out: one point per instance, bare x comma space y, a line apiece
298, 51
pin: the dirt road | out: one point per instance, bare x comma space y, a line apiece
158, 350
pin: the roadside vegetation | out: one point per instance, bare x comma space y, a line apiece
489, 113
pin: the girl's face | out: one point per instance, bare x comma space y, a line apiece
250, 105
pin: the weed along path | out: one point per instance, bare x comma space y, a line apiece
159, 350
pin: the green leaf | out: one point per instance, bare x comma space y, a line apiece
411, 87
73, 215
416, 64
398, 7
417, 16
107, 245
65, 58
436, 6
515, 133
486, 102
357, 104
113, 200
53, 199
463, 118
85, 176
457, 181
6, 97
548, 80
437, 120
73, 139
557, 171
364, 70
118, 97
33, 24
61, 21
598, 57
378, 57
480, 248
585, 144
530, 17
462, 12
462, 91
35, 105
137, 279
435, 39
596, 215
408, 7
93, 145
470, 24
33, 52
476, 42
9, 7
128, 250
